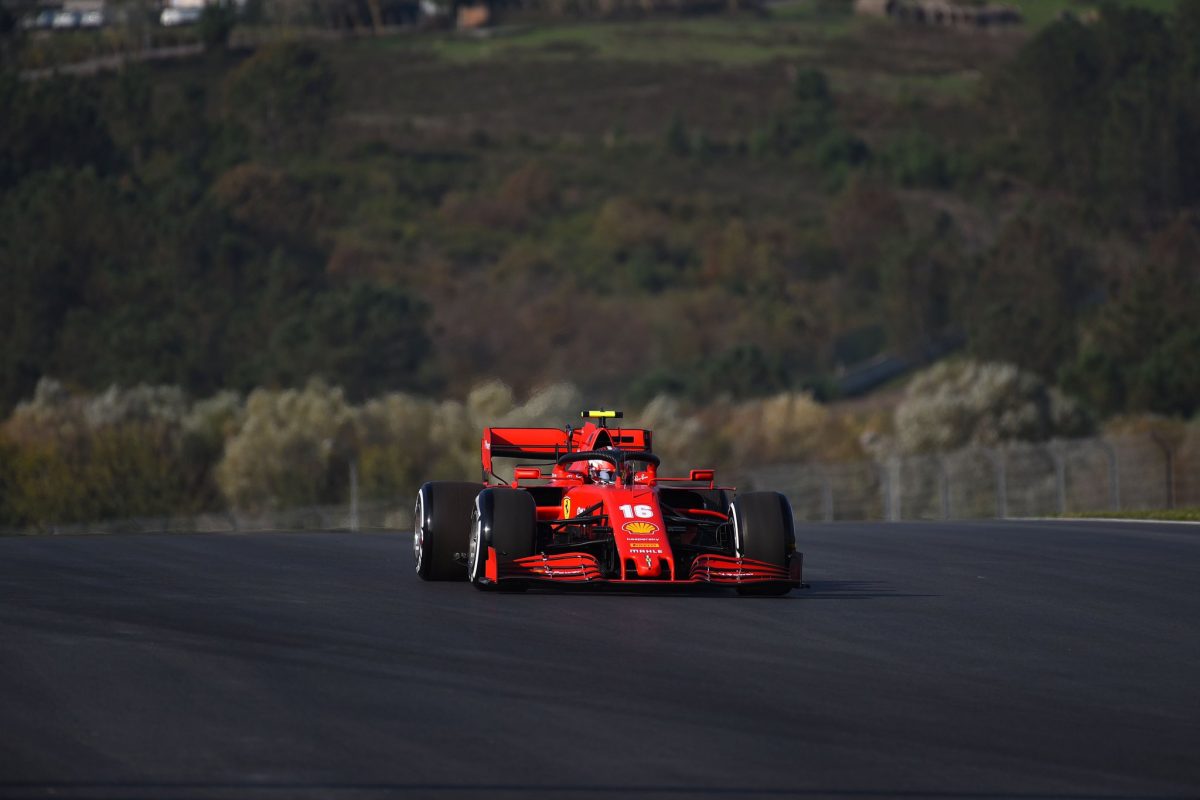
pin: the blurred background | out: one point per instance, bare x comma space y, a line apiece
274, 263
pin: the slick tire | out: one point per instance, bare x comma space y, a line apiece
442, 529
504, 520
763, 530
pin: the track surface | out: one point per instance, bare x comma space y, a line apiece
973, 660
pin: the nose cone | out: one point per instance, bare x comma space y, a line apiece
646, 545
648, 566
640, 533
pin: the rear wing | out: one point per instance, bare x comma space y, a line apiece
549, 443
521, 443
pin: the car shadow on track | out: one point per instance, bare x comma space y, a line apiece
854, 590
812, 590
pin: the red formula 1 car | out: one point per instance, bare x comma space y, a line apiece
603, 515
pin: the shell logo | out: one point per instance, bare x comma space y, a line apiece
640, 527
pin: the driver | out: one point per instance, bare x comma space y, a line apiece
602, 472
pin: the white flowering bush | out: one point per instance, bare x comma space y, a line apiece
291, 449
490, 401
405, 440
551, 406
52, 415
214, 419
141, 404
150, 450
961, 402
125, 452
790, 426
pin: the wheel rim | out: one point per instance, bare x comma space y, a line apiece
474, 556
737, 534
419, 531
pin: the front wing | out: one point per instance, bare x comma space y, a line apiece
584, 568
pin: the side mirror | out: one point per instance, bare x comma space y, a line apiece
702, 475
526, 474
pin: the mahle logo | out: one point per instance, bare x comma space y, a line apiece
640, 527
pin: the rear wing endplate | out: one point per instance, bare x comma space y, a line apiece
521, 443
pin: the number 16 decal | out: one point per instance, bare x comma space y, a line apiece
640, 511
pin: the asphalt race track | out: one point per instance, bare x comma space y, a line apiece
974, 660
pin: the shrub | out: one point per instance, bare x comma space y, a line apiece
788, 426
676, 138
123, 453
405, 440
550, 406
520, 200
490, 400
292, 449
915, 159
9, 453
958, 403
841, 151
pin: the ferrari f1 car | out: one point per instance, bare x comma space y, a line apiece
602, 515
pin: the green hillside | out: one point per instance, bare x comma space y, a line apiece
695, 205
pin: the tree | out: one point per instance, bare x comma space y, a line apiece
55, 122
217, 22
865, 221
1028, 296
58, 231
1138, 350
367, 339
810, 116
919, 282
1110, 111
282, 97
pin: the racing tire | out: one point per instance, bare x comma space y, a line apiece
442, 529
504, 520
763, 529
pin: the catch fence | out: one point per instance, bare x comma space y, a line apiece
1013, 480
352, 517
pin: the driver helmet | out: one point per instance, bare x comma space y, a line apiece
601, 472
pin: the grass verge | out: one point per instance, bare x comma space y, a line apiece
1189, 514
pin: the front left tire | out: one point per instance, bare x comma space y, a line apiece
764, 530
442, 529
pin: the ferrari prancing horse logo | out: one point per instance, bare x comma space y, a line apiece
566, 507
